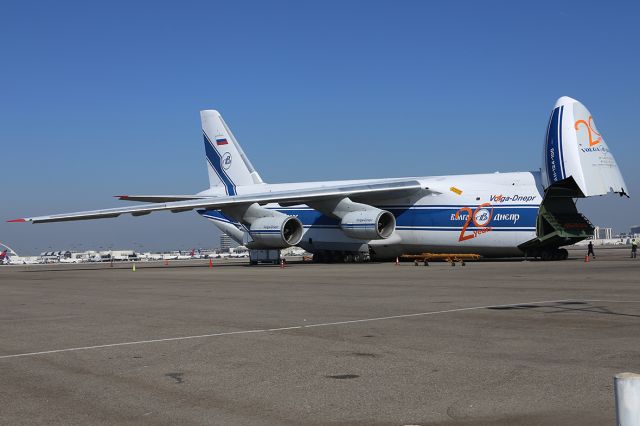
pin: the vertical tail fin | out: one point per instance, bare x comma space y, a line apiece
228, 165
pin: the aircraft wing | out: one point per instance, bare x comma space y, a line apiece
391, 187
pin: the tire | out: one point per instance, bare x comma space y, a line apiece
564, 254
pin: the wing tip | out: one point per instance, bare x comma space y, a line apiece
17, 220
121, 197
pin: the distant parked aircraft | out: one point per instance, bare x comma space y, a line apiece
12, 258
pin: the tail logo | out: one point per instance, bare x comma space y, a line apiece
225, 161
590, 129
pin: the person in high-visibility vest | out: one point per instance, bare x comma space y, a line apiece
634, 248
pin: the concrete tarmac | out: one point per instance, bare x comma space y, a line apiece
495, 343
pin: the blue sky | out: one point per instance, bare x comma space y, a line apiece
99, 99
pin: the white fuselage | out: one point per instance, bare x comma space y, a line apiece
489, 214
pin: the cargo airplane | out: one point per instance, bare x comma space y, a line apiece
495, 215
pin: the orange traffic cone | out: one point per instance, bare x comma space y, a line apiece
397, 261
586, 258
210, 263
281, 263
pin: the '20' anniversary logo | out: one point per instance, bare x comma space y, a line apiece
588, 124
480, 218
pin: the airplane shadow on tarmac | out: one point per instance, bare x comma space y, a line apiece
565, 307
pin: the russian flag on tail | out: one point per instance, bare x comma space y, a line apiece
221, 140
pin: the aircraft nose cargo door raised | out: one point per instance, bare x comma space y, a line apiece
577, 164
576, 155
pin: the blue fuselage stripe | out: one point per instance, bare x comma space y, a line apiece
503, 218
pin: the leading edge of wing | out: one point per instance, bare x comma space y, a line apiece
293, 196
159, 198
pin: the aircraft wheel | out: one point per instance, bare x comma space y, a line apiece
564, 254
320, 257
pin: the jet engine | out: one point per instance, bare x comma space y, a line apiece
268, 228
275, 232
372, 224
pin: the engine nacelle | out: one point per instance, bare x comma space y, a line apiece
371, 224
275, 232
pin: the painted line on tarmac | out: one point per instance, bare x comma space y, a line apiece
299, 327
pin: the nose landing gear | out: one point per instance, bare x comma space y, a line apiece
549, 253
337, 256
554, 254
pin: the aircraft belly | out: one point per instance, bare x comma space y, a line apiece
494, 244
